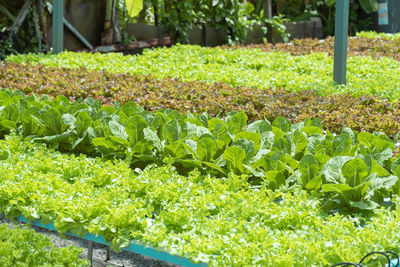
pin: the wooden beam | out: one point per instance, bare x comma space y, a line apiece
21, 17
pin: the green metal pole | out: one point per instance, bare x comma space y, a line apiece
58, 26
341, 31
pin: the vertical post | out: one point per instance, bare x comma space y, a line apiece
341, 31
267, 6
58, 26
90, 252
108, 253
37, 27
109, 7
43, 24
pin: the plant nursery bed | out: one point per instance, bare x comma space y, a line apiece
20, 246
189, 182
164, 258
361, 113
241, 67
218, 221
101, 254
357, 46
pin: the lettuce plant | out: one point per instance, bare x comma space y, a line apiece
241, 67
24, 247
278, 154
227, 221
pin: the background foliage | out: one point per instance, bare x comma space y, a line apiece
25, 40
233, 17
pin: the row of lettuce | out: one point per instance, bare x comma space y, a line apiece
378, 47
363, 113
23, 247
222, 222
376, 35
351, 171
241, 67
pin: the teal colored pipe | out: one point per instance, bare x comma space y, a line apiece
133, 247
138, 248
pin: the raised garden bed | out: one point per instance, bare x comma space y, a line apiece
204, 188
217, 221
241, 67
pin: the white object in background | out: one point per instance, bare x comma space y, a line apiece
383, 16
